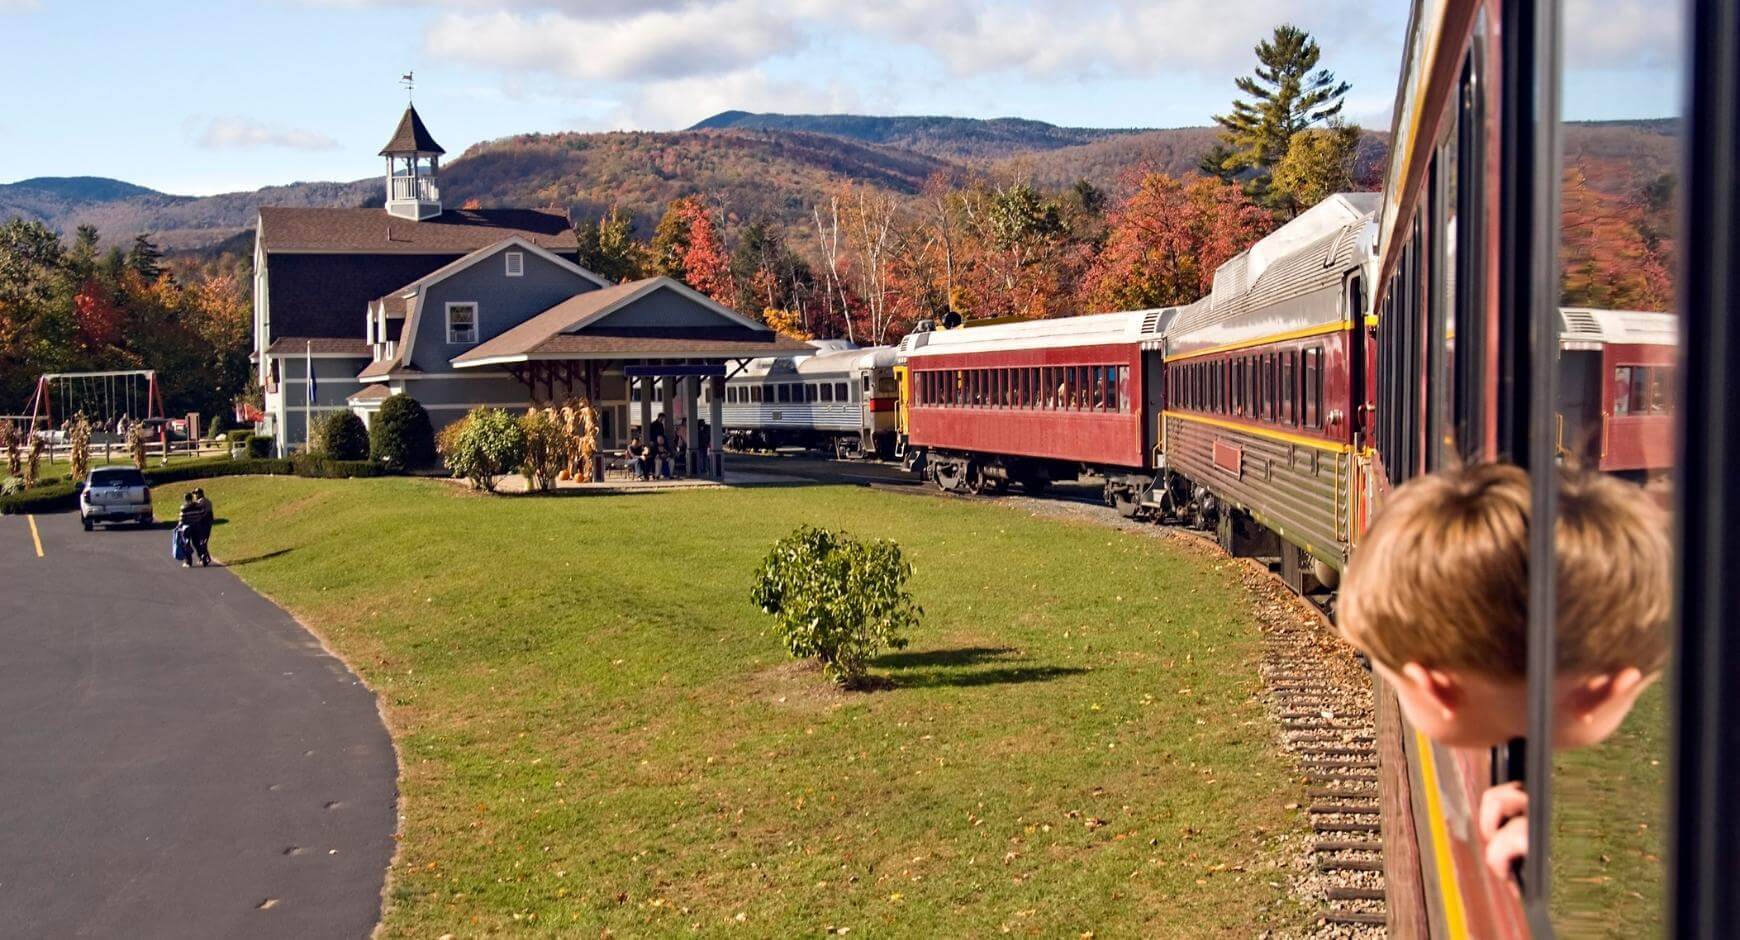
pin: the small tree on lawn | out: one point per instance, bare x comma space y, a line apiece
490, 443
837, 599
341, 435
136, 444
78, 438
401, 436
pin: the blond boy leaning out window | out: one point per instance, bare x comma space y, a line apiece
1437, 597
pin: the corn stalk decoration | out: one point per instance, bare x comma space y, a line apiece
136, 444
78, 437
580, 427
33, 462
10, 438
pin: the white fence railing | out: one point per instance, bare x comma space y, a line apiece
418, 188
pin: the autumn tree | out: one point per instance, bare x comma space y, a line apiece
687, 246
1287, 93
609, 249
1167, 238
1016, 252
1609, 260
1319, 163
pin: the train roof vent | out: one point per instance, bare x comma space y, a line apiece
1151, 320
1580, 321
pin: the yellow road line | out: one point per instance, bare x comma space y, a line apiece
1449, 886
35, 536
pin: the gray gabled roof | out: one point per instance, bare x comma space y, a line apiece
412, 136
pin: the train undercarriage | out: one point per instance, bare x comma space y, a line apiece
1166, 497
841, 445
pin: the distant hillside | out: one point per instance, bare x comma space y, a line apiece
777, 175
950, 138
754, 165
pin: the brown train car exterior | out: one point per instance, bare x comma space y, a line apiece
1258, 429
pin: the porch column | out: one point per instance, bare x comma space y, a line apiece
593, 387
645, 385
692, 415
668, 385
716, 423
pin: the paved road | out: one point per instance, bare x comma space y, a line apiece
177, 757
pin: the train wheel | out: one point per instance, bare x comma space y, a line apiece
975, 479
1123, 500
1225, 532
996, 486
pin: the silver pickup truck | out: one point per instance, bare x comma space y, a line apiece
115, 494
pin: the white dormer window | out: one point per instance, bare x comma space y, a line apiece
516, 263
461, 323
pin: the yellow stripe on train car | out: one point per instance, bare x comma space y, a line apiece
1301, 440
1449, 885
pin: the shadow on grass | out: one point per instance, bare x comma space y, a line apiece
967, 666
251, 559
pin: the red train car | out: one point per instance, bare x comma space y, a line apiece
1617, 371
1036, 401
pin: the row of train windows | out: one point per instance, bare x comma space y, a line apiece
795, 392
1034, 388
1281, 387
1643, 390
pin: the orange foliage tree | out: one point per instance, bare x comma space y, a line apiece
1166, 239
1609, 260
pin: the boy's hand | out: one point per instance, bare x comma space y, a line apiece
1504, 825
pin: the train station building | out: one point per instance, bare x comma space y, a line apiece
477, 307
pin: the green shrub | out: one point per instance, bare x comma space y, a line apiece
217, 467
220, 423
401, 436
340, 435
490, 444
239, 434
261, 446
314, 465
837, 599
49, 497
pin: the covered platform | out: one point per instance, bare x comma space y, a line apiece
629, 349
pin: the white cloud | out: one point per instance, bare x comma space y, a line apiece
239, 133
662, 44
1623, 34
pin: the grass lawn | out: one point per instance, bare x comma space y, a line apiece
1610, 828
598, 731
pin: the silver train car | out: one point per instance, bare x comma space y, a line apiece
842, 400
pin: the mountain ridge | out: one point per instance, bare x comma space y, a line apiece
759, 165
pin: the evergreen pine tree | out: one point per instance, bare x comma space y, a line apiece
1288, 93
145, 258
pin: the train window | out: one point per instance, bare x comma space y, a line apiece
811, 391
827, 391
1312, 393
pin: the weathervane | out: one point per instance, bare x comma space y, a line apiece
410, 82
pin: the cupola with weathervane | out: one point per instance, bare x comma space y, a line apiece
413, 163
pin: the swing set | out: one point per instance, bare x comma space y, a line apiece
107, 399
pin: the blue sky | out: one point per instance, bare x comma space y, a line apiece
205, 97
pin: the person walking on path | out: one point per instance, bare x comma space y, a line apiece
202, 527
194, 517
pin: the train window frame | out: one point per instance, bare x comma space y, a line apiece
1312, 384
